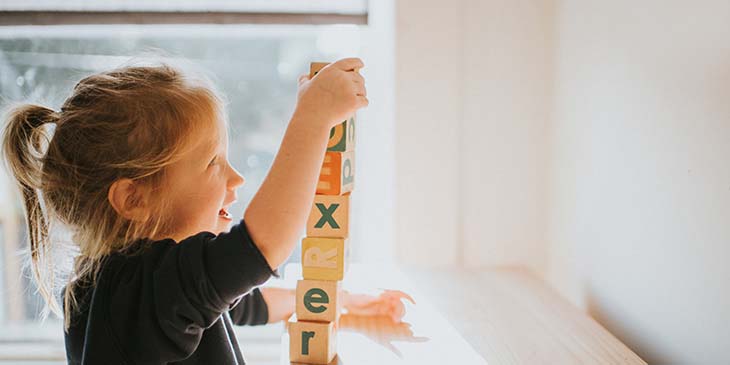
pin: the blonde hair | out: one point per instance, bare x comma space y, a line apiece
130, 122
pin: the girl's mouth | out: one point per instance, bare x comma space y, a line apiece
223, 213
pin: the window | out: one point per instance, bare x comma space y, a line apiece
254, 65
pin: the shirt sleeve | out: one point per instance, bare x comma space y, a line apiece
162, 304
251, 310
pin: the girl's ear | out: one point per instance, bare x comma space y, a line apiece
129, 200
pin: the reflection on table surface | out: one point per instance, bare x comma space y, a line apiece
423, 337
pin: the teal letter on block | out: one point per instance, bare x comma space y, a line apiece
316, 296
350, 129
327, 215
305, 341
342, 136
347, 177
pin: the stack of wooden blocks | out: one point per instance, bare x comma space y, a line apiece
312, 332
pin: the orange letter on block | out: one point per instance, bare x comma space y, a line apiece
337, 176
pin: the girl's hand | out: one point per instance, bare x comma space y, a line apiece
334, 94
389, 303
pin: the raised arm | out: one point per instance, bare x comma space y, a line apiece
277, 213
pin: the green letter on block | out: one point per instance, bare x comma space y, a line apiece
316, 296
305, 341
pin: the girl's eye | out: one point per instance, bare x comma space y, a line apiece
212, 162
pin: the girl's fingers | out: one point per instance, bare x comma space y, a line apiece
389, 304
303, 78
348, 64
396, 314
361, 299
361, 90
398, 294
357, 78
400, 310
362, 101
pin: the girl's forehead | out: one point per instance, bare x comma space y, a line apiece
207, 139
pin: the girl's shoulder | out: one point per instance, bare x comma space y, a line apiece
140, 249
130, 263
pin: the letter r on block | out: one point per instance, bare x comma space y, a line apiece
306, 336
315, 257
323, 258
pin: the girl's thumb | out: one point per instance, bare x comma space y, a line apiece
303, 78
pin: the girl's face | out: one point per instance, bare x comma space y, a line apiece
202, 186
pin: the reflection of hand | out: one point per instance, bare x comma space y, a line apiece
381, 330
389, 303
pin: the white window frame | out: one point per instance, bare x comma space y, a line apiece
48, 12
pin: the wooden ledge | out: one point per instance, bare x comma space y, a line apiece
510, 316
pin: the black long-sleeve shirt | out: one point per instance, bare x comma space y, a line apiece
165, 302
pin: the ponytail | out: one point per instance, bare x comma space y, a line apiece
24, 139
133, 122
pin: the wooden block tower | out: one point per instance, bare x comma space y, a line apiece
313, 331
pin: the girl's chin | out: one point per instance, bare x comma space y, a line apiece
224, 225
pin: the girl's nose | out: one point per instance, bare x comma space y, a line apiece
236, 178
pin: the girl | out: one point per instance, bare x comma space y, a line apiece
137, 167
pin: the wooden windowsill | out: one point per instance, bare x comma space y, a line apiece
496, 316
510, 316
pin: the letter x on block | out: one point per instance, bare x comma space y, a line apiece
329, 216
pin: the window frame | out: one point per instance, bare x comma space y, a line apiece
376, 192
47, 12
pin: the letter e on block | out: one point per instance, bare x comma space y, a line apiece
318, 300
323, 258
337, 176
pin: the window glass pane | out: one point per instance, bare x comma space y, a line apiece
256, 67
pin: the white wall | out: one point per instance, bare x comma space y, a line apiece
640, 194
427, 125
472, 90
507, 79
587, 140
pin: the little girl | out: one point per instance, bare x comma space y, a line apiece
137, 168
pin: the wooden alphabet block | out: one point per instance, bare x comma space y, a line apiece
329, 217
318, 300
312, 342
342, 136
314, 67
337, 176
323, 258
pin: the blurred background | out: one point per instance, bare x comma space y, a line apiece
587, 141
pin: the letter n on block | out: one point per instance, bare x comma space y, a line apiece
312, 342
323, 258
329, 217
337, 176
318, 300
